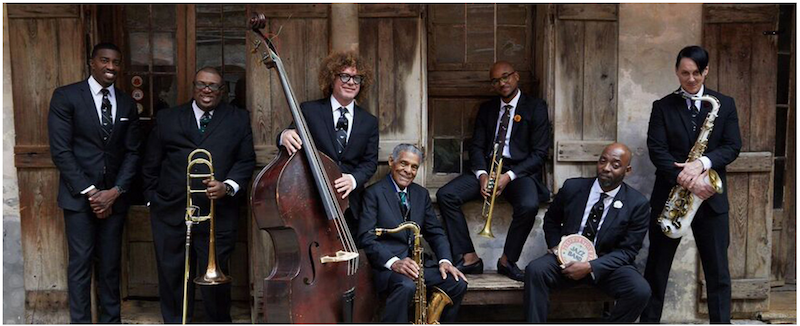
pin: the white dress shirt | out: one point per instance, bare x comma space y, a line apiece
97, 95
506, 147
594, 196
698, 104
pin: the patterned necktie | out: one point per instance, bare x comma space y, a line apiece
204, 120
108, 121
695, 111
501, 132
341, 130
404, 205
592, 222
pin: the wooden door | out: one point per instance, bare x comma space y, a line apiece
585, 105
743, 65
47, 51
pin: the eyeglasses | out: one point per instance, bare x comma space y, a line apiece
503, 79
213, 87
357, 79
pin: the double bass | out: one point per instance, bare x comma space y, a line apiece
319, 276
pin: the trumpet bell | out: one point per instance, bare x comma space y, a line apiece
213, 276
487, 231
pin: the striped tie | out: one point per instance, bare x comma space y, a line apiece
341, 130
695, 111
108, 121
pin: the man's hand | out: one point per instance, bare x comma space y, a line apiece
407, 267
447, 267
502, 182
102, 200
291, 141
484, 179
690, 172
553, 250
576, 270
701, 188
344, 185
214, 189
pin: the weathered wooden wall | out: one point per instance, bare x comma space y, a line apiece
744, 63
37, 32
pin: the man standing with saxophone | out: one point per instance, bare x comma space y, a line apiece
519, 125
675, 124
387, 204
225, 132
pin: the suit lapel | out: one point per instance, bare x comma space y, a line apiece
220, 113
679, 103
122, 110
88, 100
611, 219
389, 194
576, 211
189, 123
357, 115
494, 114
515, 125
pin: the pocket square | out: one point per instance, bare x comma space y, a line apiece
123, 119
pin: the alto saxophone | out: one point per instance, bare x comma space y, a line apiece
423, 312
488, 203
676, 218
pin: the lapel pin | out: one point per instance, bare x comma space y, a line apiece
517, 118
617, 204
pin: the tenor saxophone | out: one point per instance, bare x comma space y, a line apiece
676, 217
424, 313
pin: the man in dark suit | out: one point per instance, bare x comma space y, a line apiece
94, 140
524, 144
394, 200
225, 132
611, 214
342, 130
675, 124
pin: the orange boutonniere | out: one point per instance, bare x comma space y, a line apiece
517, 118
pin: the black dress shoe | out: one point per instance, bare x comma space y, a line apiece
512, 271
474, 268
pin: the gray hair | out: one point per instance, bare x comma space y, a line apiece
411, 148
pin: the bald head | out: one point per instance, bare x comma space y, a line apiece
612, 167
504, 80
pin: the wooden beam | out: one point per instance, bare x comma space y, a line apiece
739, 13
743, 289
588, 12
43, 11
32, 156
393, 10
580, 150
751, 162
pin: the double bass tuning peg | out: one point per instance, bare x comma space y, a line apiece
256, 45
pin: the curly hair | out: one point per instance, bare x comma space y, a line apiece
338, 61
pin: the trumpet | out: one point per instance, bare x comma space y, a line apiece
213, 274
488, 203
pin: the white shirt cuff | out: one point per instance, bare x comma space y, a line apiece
445, 260
706, 163
280, 139
232, 184
511, 175
389, 263
90, 188
352, 178
479, 172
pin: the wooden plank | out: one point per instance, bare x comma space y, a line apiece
740, 13
385, 75
259, 95
600, 81
745, 288
368, 51
389, 10
734, 75
408, 86
441, 118
751, 162
291, 50
711, 43
36, 10
33, 156
316, 49
470, 82
513, 14
447, 14
580, 150
738, 190
762, 81
568, 120
480, 34
287, 12
137, 224
265, 153
587, 12
47, 307
790, 203
143, 274
513, 44
759, 226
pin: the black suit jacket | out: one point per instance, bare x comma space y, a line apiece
79, 152
360, 156
530, 139
670, 138
228, 138
382, 209
621, 234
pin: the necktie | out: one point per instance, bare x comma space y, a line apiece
695, 111
590, 229
108, 121
341, 130
503, 129
404, 205
204, 120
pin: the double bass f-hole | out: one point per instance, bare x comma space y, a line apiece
312, 262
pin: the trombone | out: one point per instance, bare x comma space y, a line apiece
213, 274
488, 203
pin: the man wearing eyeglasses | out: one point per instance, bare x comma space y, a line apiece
519, 125
218, 127
342, 129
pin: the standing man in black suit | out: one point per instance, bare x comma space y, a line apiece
611, 214
394, 200
225, 132
94, 140
675, 123
525, 143
342, 130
